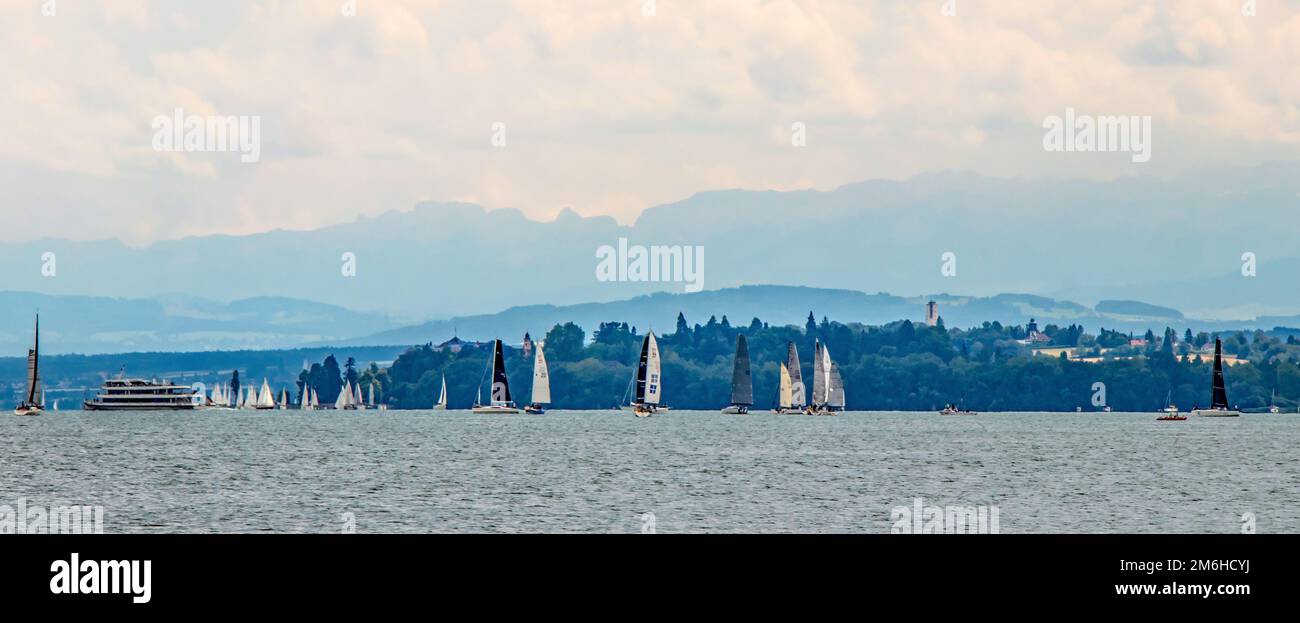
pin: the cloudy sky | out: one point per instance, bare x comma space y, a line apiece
608, 106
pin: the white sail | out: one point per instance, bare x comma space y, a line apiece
442, 397
304, 401
653, 373
356, 398
345, 396
370, 397
314, 402
820, 375
264, 397
541, 379
835, 388
785, 395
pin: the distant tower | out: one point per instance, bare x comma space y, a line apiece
528, 345
932, 314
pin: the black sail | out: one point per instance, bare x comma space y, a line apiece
34, 367
500, 384
1220, 400
742, 385
641, 369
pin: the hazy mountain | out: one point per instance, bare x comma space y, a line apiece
88, 325
780, 305
1167, 241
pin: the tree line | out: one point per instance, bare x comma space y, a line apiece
898, 366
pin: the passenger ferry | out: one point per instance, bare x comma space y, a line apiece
123, 394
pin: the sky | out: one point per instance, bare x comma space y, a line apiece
606, 107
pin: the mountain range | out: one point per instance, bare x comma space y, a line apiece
1176, 242
174, 323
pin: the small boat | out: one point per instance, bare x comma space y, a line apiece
284, 399
647, 383
265, 400
1219, 392
784, 392
441, 405
790, 393
499, 397
1172, 417
1170, 411
356, 398
828, 387
1272, 404
541, 384
952, 409
742, 384
345, 401
304, 399
34, 398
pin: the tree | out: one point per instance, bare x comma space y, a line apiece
810, 328
683, 329
564, 342
351, 374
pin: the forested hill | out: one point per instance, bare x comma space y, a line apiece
901, 365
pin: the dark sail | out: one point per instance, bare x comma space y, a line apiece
33, 368
641, 368
500, 384
1220, 400
742, 385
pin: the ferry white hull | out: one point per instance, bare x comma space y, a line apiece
494, 409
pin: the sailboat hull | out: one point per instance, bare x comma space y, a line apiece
494, 409
736, 410
1216, 413
642, 407
28, 411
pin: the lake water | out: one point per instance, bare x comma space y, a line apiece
420, 471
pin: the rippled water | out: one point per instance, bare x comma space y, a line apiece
420, 471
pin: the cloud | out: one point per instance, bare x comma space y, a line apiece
606, 109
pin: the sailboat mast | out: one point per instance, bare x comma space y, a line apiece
33, 386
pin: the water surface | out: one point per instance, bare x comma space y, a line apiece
600, 471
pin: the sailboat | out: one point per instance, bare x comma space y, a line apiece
796, 400
1272, 404
783, 394
284, 399
828, 388
315, 404
344, 401
304, 400
1219, 399
647, 384
742, 384
34, 398
264, 398
499, 398
541, 384
359, 404
381, 407
441, 405
1170, 411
